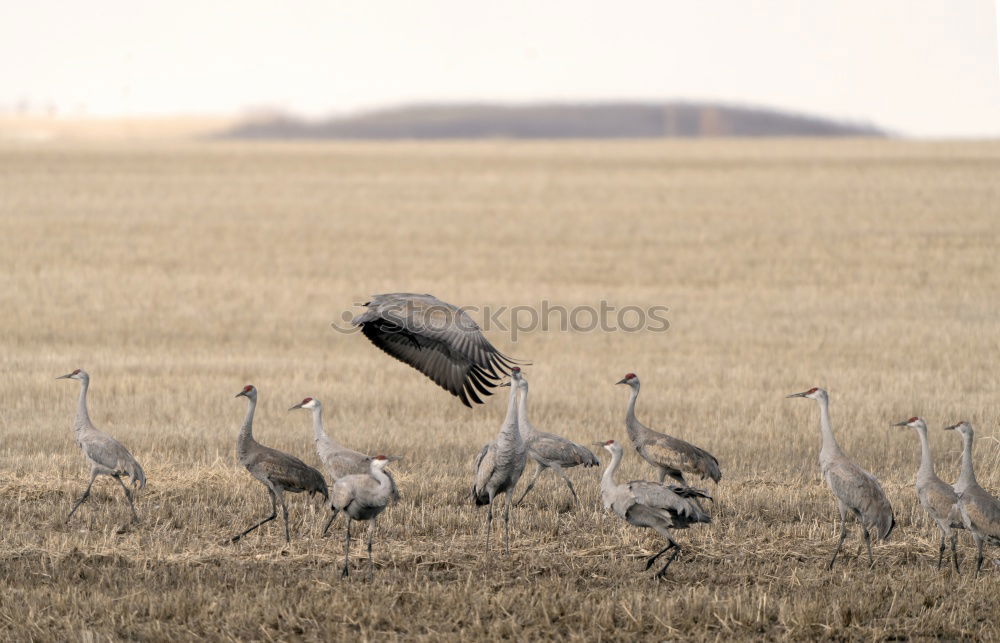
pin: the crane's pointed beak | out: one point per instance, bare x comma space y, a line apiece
240, 394
952, 427
621, 381
394, 458
297, 406
903, 423
505, 384
802, 394
65, 377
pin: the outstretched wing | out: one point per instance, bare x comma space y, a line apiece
439, 340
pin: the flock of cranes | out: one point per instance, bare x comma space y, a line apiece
443, 343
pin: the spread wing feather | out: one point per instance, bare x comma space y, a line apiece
439, 340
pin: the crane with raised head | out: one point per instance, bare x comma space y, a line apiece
363, 497
858, 493
338, 460
980, 510
651, 505
277, 471
106, 456
669, 455
937, 497
439, 340
500, 464
549, 451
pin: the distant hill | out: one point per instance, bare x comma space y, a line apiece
553, 120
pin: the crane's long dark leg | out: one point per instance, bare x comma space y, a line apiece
284, 512
347, 545
333, 514
954, 551
979, 553
489, 521
941, 550
506, 521
868, 544
652, 559
663, 570
531, 483
569, 483
128, 496
86, 494
840, 543
371, 563
274, 514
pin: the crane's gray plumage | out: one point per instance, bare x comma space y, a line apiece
858, 492
499, 464
363, 497
980, 510
106, 456
671, 456
652, 505
439, 340
549, 451
338, 460
937, 497
277, 471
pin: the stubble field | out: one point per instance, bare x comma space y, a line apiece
176, 274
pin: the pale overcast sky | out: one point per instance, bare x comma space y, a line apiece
918, 67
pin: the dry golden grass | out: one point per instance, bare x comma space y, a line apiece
178, 273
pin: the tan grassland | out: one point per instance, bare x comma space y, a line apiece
177, 273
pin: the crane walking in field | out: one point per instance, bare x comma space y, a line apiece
650, 504
338, 460
549, 451
438, 339
107, 456
500, 464
937, 497
671, 456
858, 493
278, 472
980, 511
363, 497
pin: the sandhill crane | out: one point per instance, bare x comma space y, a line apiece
980, 510
500, 464
107, 456
438, 339
936, 496
278, 472
671, 456
549, 451
363, 497
338, 460
858, 493
650, 504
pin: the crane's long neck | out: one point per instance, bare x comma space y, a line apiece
82, 417
318, 432
968, 475
631, 423
608, 479
384, 484
510, 421
246, 431
522, 415
830, 445
926, 462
